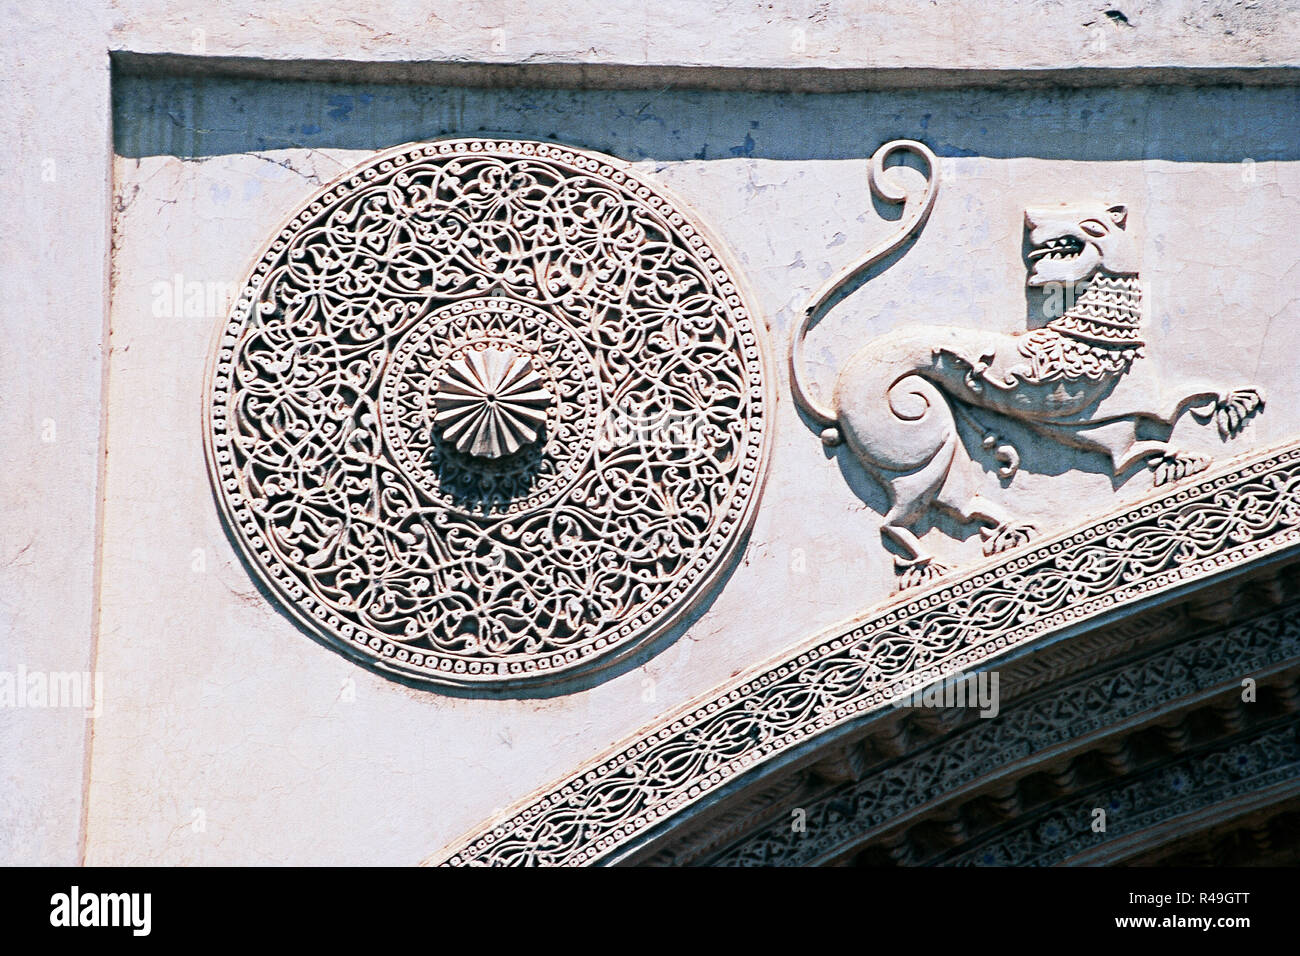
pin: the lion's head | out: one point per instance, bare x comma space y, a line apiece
1073, 240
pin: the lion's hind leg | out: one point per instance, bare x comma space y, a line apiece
901, 428
912, 496
998, 531
914, 565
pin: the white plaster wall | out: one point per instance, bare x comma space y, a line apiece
54, 191
213, 700
225, 713
993, 34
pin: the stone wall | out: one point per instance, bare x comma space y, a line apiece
227, 735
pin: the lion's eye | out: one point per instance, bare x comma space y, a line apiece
1093, 228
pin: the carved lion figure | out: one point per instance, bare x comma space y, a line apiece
897, 401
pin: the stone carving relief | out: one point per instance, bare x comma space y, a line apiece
489, 413
1268, 760
897, 402
1068, 712
1226, 519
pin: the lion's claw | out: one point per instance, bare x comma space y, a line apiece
916, 572
1233, 411
1005, 537
1175, 465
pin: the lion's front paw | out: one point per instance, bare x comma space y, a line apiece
916, 572
1233, 411
1006, 536
1174, 465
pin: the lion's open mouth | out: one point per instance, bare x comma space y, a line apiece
1063, 247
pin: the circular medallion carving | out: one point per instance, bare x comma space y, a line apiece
489, 413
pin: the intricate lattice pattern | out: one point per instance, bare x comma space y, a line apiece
523, 532
1183, 535
850, 813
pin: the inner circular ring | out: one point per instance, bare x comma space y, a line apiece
489, 406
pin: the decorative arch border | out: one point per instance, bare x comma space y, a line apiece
1061, 719
1242, 513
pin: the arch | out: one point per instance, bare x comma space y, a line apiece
1236, 522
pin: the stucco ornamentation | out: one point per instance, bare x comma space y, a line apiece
1226, 519
491, 402
489, 413
851, 813
897, 402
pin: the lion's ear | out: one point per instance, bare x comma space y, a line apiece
1118, 214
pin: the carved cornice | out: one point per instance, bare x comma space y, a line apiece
1235, 516
1260, 769
1270, 837
1197, 646
1074, 722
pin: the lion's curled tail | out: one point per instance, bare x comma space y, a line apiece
916, 210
